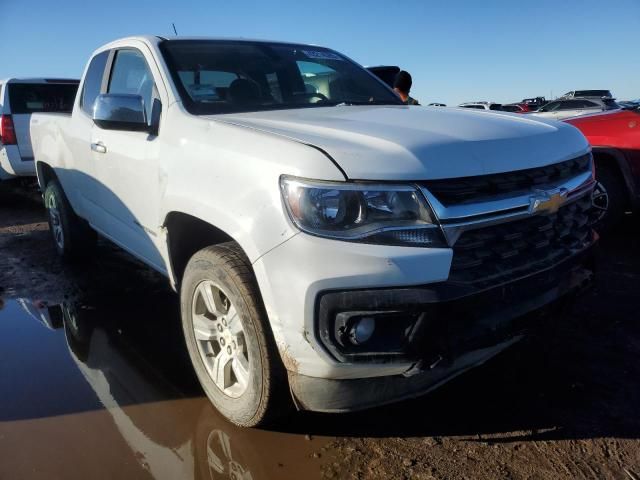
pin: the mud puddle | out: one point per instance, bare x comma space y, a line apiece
106, 391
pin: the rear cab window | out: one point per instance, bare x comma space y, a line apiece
25, 98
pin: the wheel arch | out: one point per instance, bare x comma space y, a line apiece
45, 173
186, 235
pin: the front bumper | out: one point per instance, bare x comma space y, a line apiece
470, 329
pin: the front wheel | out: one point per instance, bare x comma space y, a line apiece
608, 198
72, 236
229, 339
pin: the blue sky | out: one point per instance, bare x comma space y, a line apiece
456, 50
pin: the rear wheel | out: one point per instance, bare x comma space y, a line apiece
72, 237
229, 339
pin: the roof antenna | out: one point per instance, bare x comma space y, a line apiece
174, 29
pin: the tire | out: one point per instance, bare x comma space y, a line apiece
72, 237
236, 361
608, 198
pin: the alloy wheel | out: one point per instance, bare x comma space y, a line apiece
56, 222
221, 339
599, 202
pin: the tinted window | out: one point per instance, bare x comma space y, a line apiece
610, 104
550, 107
511, 108
32, 97
131, 75
476, 107
592, 93
570, 105
93, 81
495, 106
588, 104
267, 76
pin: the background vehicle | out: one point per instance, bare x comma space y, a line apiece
534, 103
19, 98
386, 73
615, 139
435, 104
321, 241
587, 94
629, 104
516, 108
561, 109
481, 105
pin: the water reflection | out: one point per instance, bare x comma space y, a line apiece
127, 365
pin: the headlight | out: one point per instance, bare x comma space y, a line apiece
381, 214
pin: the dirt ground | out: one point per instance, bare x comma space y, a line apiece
563, 405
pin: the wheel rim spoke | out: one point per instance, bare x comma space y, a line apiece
56, 223
240, 368
203, 328
214, 461
212, 299
233, 322
600, 201
221, 370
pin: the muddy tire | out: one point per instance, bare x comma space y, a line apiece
229, 338
72, 236
608, 198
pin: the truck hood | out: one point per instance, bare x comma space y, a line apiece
420, 143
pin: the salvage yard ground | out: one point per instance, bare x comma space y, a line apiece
563, 406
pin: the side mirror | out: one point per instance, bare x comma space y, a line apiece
120, 112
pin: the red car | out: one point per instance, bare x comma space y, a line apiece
615, 138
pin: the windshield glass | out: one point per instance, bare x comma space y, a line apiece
220, 76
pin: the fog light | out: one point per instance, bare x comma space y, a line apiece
362, 330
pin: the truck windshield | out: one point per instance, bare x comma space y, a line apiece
220, 76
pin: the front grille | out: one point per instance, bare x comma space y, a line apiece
498, 253
460, 190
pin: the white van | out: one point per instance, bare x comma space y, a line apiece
19, 98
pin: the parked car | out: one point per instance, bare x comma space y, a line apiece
628, 104
481, 105
516, 108
436, 104
386, 73
615, 139
534, 103
561, 109
19, 98
334, 246
587, 94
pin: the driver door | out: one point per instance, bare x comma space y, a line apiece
127, 164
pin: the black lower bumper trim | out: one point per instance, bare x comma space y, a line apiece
460, 333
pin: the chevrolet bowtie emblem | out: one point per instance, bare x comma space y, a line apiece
548, 201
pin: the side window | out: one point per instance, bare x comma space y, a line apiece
550, 107
569, 105
93, 81
131, 75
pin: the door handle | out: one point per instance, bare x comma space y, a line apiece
99, 147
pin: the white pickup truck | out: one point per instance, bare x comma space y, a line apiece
329, 244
